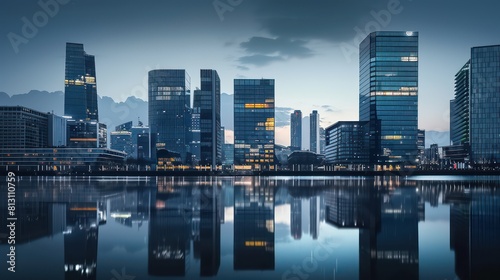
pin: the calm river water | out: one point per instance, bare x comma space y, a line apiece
297, 228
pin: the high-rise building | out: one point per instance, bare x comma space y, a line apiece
314, 132
57, 130
122, 141
346, 143
169, 109
80, 89
388, 96
421, 144
254, 124
86, 134
459, 108
208, 100
296, 130
21, 127
485, 104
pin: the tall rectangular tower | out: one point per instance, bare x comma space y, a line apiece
388, 96
296, 130
210, 122
169, 109
80, 88
459, 108
254, 124
485, 104
314, 132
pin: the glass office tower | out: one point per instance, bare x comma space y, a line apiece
485, 104
388, 96
254, 124
208, 102
296, 130
80, 88
169, 109
459, 108
314, 132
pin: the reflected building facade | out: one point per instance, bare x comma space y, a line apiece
390, 249
80, 241
474, 231
254, 227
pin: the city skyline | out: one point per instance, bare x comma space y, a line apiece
249, 40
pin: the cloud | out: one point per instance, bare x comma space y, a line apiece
244, 68
263, 51
259, 60
282, 116
330, 109
315, 19
280, 45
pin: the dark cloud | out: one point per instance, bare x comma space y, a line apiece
259, 59
316, 19
282, 46
244, 68
264, 51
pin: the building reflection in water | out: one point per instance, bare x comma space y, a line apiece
386, 212
80, 240
210, 222
254, 224
474, 232
169, 229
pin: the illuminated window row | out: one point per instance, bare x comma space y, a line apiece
393, 93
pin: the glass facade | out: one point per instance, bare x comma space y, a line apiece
485, 104
314, 132
296, 130
21, 127
346, 143
169, 109
459, 108
80, 88
208, 102
87, 134
254, 124
388, 95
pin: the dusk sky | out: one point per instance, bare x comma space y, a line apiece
309, 47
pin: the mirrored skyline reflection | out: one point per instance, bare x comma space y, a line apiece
256, 227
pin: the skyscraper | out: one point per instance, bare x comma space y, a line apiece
485, 104
169, 109
388, 96
80, 89
208, 100
459, 108
296, 130
254, 124
314, 132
